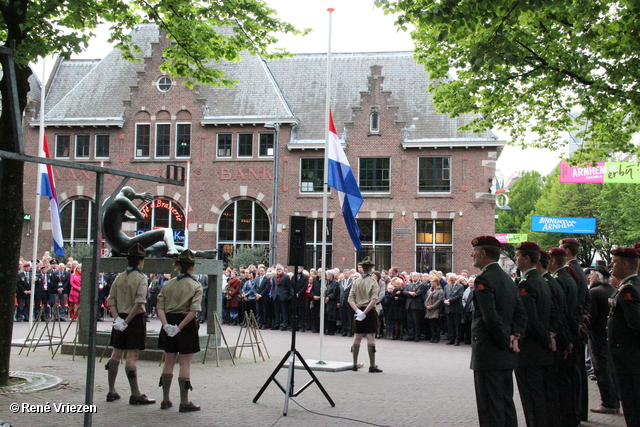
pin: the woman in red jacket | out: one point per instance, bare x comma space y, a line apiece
233, 289
74, 294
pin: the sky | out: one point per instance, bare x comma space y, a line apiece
357, 26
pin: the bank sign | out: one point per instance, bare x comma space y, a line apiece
549, 224
602, 172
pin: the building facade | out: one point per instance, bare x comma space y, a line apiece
425, 184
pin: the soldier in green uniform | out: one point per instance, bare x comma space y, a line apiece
127, 300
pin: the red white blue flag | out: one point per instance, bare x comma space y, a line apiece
48, 188
342, 179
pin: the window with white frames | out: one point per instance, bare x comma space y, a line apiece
313, 252
82, 146
163, 140
374, 122
375, 235
265, 145
183, 140
245, 145
76, 217
143, 135
374, 175
102, 146
62, 146
434, 245
434, 174
242, 223
312, 175
163, 212
224, 145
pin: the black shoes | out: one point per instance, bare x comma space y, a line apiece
166, 404
141, 400
189, 407
112, 396
374, 369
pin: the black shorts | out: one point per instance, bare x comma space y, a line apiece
368, 326
186, 342
132, 338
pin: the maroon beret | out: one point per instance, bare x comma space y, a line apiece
557, 252
625, 252
544, 255
485, 241
527, 246
26, 264
637, 245
569, 241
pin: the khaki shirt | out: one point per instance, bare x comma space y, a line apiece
180, 295
129, 289
364, 290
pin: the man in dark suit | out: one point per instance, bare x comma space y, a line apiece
600, 291
623, 331
300, 283
60, 286
498, 321
535, 352
23, 292
282, 299
415, 307
453, 310
346, 312
42, 293
263, 286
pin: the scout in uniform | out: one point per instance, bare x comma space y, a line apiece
127, 299
363, 298
179, 302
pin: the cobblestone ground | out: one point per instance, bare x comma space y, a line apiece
422, 384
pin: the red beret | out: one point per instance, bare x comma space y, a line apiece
569, 241
485, 241
527, 246
544, 254
557, 252
637, 245
625, 252
26, 264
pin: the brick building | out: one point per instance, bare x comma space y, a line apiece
425, 184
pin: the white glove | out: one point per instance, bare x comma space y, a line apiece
359, 312
171, 330
119, 324
360, 315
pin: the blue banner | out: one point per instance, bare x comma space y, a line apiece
549, 224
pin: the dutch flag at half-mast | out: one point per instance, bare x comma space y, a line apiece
342, 179
48, 189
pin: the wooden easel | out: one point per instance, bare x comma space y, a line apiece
71, 322
252, 330
217, 327
33, 331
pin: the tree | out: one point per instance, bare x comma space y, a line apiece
523, 196
247, 255
43, 27
618, 207
528, 65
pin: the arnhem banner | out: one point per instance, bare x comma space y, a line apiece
511, 238
602, 172
549, 224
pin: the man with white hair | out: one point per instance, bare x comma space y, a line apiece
413, 304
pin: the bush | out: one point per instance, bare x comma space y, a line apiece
246, 255
78, 251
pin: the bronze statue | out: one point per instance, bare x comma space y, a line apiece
155, 242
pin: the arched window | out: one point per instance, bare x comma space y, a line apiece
374, 125
75, 220
242, 223
163, 212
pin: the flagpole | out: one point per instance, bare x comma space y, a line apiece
36, 216
323, 279
186, 216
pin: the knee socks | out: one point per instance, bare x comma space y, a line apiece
165, 383
185, 386
372, 354
132, 376
355, 349
112, 367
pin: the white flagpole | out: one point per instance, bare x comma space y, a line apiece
36, 219
323, 279
186, 215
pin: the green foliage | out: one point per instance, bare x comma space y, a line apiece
523, 196
247, 255
78, 251
525, 66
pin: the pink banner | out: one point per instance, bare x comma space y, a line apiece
502, 238
582, 175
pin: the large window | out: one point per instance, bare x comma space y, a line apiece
375, 235
163, 213
75, 221
266, 145
434, 174
434, 245
102, 146
224, 145
242, 223
313, 252
312, 175
143, 133
62, 146
374, 175
183, 140
245, 145
82, 146
163, 139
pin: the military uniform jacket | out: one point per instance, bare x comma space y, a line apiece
23, 284
584, 300
570, 289
498, 313
623, 327
536, 299
560, 327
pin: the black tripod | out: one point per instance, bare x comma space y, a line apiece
291, 356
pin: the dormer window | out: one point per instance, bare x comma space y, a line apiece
374, 123
164, 84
